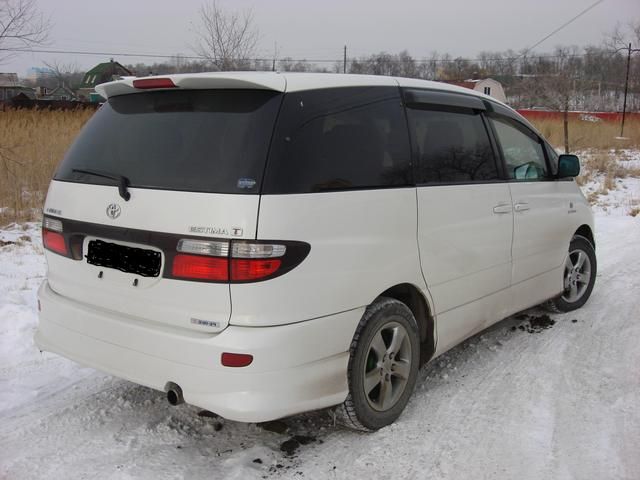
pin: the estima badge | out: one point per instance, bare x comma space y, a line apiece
113, 211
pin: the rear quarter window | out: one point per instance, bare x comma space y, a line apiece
339, 139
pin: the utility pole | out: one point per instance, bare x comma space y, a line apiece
626, 84
344, 66
275, 54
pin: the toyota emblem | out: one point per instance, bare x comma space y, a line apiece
113, 211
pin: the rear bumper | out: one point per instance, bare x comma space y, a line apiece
296, 368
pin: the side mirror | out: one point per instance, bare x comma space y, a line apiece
568, 166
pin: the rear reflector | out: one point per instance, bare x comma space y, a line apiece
252, 269
55, 242
148, 83
236, 359
201, 268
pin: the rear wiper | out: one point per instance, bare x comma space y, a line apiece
123, 182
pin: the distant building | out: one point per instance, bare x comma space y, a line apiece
10, 87
488, 86
61, 92
36, 74
101, 73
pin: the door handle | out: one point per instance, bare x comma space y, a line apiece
502, 208
521, 206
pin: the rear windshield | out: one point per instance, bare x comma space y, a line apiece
194, 140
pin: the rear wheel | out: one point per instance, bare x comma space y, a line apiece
383, 366
579, 276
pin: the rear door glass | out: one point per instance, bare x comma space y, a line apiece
192, 140
451, 146
339, 139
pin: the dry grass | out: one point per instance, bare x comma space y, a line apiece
32, 143
594, 135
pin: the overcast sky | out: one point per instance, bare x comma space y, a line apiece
319, 29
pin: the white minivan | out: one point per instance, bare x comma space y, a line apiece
264, 244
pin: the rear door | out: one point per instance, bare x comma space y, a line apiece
193, 160
464, 212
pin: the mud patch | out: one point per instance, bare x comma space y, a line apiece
291, 446
534, 323
275, 426
207, 414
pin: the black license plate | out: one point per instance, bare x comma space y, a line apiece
138, 261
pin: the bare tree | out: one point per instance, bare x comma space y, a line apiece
63, 75
226, 39
22, 26
288, 64
428, 68
558, 84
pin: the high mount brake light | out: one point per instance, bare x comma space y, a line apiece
235, 261
149, 83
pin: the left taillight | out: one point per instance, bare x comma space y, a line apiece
52, 236
235, 261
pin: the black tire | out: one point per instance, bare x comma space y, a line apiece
564, 302
362, 410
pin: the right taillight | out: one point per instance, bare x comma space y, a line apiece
235, 261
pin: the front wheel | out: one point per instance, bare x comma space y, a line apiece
579, 276
383, 366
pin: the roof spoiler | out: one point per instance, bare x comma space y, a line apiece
221, 80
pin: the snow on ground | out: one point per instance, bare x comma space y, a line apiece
615, 192
558, 403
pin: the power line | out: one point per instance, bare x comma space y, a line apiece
562, 26
104, 54
285, 59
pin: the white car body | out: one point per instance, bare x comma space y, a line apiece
462, 256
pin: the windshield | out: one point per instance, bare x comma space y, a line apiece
193, 140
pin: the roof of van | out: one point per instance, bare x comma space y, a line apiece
281, 82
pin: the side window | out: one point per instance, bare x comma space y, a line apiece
552, 155
451, 146
339, 139
522, 150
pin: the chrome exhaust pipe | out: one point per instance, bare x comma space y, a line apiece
174, 394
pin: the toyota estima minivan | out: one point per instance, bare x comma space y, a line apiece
264, 244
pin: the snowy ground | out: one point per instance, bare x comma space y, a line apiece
559, 403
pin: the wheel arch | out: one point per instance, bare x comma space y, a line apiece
413, 298
585, 231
